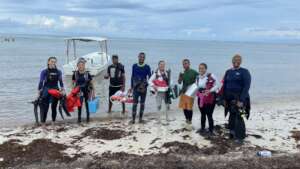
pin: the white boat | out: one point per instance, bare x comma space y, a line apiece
96, 62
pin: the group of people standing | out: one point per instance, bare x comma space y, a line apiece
233, 94
51, 78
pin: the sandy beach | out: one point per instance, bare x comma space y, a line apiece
138, 52
110, 142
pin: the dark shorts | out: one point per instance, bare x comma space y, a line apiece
113, 90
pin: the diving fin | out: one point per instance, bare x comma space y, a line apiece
35, 110
63, 103
60, 111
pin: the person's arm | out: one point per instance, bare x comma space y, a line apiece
61, 83
91, 81
195, 75
90, 78
150, 81
247, 83
73, 80
123, 78
132, 76
107, 76
225, 82
216, 84
224, 93
149, 72
42, 79
180, 78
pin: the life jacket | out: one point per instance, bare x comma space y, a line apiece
164, 76
210, 82
210, 98
86, 78
73, 100
55, 93
52, 77
86, 75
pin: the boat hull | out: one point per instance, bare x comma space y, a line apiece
95, 63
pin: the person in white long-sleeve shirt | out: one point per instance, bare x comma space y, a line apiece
208, 85
159, 84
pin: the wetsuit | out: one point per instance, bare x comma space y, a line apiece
83, 81
139, 78
236, 88
49, 79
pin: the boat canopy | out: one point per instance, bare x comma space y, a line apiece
72, 42
87, 39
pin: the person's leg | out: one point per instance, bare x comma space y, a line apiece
142, 108
86, 99
110, 93
168, 106
79, 114
185, 114
44, 106
80, 110
182, 106
190, 103
209, 114
54, 108
167, 102
142, 105
203, 117
158, 101
134, 105
231, 121
240, 128
190, 115
203, 120
109, 106
123, 108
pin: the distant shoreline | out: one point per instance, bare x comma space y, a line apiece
62, 36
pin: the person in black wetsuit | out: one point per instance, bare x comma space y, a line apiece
83, 79
50, 78
141, 72
116, 76
237, 81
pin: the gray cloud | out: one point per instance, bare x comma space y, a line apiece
111, 7
169, 18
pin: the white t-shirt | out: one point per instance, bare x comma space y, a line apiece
202, 80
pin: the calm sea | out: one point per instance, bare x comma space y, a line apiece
274, 67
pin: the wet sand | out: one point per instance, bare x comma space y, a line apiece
111, 142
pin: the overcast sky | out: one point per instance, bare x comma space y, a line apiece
167, 19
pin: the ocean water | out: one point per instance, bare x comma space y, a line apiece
274, 68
